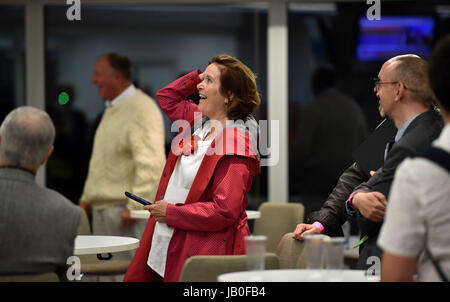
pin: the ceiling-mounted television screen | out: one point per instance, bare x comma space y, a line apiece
379, 40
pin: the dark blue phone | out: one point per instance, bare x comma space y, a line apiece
138, 199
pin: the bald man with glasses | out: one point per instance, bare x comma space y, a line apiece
405, 97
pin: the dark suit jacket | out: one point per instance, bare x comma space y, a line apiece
420, 133
369, 154
332, 215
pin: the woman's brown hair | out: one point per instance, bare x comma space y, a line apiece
238, 82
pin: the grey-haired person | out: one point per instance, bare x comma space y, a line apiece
37, 225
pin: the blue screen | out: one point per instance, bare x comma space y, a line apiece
394, 35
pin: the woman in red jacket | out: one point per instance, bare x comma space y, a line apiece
200, 204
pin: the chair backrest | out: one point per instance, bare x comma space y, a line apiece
277, 219
291, 252
208, 268
84, 228
45, 277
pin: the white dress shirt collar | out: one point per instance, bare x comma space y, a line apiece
127, 93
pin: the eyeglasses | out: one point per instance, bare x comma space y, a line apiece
377, 82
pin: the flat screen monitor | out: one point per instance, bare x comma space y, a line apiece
379, 40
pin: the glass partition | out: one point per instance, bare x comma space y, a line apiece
12, 58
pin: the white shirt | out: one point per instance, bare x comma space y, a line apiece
418, 211
126, 94
177, 190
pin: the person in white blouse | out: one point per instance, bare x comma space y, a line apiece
200, 205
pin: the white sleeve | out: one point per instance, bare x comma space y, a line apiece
403, 230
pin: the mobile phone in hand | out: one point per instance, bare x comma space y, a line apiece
138, 199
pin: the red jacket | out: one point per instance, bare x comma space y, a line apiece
212, 221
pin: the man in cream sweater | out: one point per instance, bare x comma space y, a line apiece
128, 152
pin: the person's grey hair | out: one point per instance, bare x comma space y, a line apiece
27, 134
413, 72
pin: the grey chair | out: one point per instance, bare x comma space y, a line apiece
208, 268
90, 265
277, 219
44, 277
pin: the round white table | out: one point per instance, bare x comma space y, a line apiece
144, 214
298, 275
91, 244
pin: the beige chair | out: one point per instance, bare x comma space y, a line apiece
291, 252
208, 268
277, 219
90, 265
45, 277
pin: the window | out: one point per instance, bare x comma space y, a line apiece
12, 58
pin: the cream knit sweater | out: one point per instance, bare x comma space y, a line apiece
128, 154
